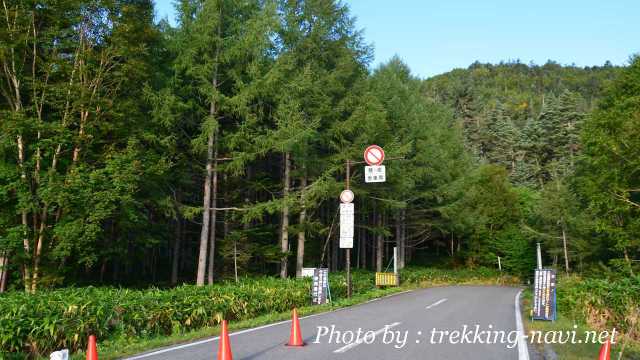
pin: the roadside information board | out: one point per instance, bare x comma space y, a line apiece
544, 295
320, 292
346, 225
375, 174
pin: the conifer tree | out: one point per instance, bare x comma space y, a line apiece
223, 44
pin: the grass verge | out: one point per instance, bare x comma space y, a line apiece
571, 351
122, 347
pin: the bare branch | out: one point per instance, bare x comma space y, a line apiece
624, 199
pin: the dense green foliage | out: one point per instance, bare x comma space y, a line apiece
143, 153
567, 138
113, 126
57, 319
137, 153
602, 303
63, 317
608, 180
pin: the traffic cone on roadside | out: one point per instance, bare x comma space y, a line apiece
92, 349
295, 339
224, 346
605, 351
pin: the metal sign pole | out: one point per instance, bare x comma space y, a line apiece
539, 252
395, 265
348, 250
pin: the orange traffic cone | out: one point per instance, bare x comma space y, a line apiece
605, 351
224, 346
295, 339
92, 349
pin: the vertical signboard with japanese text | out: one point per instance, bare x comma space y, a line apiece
320, 290
544, 295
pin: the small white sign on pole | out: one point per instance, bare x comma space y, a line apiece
375, 174
347, 212
307, 272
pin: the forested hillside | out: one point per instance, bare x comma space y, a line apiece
523, 117
138, 154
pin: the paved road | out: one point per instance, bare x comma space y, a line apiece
417, 319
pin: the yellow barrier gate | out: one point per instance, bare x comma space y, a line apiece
386, 279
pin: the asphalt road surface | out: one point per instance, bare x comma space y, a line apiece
420, 324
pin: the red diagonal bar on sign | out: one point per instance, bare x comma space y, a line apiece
372, 154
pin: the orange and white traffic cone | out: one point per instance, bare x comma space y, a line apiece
605, 351
295, 339
92, 348
224, 346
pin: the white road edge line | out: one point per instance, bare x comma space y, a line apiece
523, 351
215, 338
178, 347
436, 303
360, 341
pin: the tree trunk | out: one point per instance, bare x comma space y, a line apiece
175, 261
154, 266
359, 247
301, 234
626, 258
451, 242
211, 147
335, 246
214, 213
284, 230
403, 240
24, 218
566, 253
408, 250
14, 98
115, 270
103, 270
380, 244
4, 271
372, 236
206, 214
235, 247
235, 258
363, 247
38, 252
398, 237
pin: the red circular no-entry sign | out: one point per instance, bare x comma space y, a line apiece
373, 155
346, 196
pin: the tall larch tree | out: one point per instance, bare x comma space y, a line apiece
223, 43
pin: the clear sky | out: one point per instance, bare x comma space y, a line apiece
437, 36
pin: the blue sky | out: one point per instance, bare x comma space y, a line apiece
437, 36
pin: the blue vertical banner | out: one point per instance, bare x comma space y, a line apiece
544, 295
320, 292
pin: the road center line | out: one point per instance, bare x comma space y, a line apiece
436, 303
360, 341
523, 351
